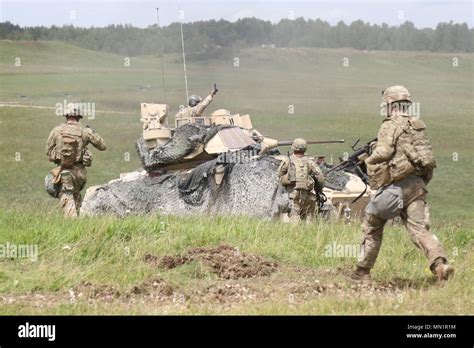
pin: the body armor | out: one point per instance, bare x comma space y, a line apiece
299, 173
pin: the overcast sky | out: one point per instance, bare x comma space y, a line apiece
141, 13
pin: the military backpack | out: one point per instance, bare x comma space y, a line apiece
70, 145
413, 151
299, 173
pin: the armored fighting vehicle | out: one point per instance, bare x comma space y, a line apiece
199, 139
211, 145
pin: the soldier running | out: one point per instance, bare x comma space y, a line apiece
401, 160
67, 147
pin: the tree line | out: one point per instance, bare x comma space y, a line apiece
207, 37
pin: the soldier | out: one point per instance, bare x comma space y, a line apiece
196, 107
402, 160
300, 175
67, 147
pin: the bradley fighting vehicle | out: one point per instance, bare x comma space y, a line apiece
221, 136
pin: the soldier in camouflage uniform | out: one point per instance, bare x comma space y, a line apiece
196, 107
402, 157
298, 174
67, 147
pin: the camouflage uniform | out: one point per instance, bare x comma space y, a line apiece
415, 214
193, 111
73, 179
302, 199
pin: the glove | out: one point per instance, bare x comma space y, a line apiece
214, 90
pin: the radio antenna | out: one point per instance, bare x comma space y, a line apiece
161, 55
181, 17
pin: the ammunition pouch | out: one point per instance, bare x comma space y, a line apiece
303, 184
67, 181
401, 168
53, 156
87, 158
379, 175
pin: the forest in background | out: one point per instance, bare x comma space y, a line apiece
207, 38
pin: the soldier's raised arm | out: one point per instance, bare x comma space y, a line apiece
199, 109
95, 139
385, 143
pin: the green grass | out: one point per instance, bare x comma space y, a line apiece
111, 251
330, 101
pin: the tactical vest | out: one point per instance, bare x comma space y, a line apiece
299, 173
379, 175
70, 145
413, 153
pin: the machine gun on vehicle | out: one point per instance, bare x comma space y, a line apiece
271, 144
311, 142
355, 163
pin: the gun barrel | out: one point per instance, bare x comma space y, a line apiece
311, 142
353, 158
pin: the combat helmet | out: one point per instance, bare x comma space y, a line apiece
194, 100
299, 144
72, 110
396, 93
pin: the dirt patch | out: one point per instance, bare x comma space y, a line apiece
150, 258
230, 293
291, 285
342, 288
94, 291
169, 262
35, 300
225, 261
153, 286
240, 282
386, 286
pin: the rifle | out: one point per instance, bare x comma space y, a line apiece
355, 165
320, 196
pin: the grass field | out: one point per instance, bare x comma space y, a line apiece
104, 258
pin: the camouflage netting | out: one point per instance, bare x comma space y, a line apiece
184, 140
335, 180
250, 188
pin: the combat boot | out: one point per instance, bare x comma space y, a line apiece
444, 271
362, 274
